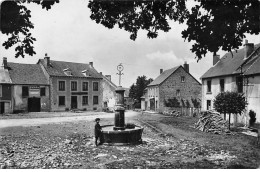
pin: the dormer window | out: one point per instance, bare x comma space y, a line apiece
85, 73
67, 72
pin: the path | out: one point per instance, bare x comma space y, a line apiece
40, 121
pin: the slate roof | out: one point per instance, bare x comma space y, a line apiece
163, 76
228, 65
56, 69
107, 80
26, 74
4, 76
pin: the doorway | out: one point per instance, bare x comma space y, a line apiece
34, 104
208, 104
2, 107
74, 102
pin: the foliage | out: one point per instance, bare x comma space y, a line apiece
137, 90
230, 102
187, 104
195, 103
252, 116
16, 24
235, 18
172, 102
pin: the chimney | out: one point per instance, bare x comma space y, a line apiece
5, 62
108, 77
100, 73
91, 64
47, 60
215, 58
186, 67
161, 71
249, 48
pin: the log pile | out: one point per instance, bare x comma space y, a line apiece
211, 121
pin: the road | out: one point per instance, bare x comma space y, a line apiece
40, 121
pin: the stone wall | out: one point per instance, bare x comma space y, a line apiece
189, 89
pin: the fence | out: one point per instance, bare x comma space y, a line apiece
183, 111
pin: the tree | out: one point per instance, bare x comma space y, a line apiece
211, 24
15, 23
172, 102
230, 103
137, 90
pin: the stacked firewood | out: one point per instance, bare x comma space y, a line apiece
211, 121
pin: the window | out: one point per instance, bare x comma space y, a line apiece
0, 90
239, 82
222, 85
84, 86
42, 91
178, 93
95, 100
73, 85
61, 85
95, 86
209, 86
25, 91
182, 78
61, 100
84, 100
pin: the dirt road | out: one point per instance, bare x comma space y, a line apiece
40, 121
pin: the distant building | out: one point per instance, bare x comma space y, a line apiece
109, 94
176, 83
5, 89
129, 102
73, 85
240, 72
24, 88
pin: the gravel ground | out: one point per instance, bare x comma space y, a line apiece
168, 142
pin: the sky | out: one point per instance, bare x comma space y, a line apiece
66, 33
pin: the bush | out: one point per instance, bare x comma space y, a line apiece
137, 105
252, 119
84, 109
67, 109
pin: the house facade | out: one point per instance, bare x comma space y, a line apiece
109, 94
172, 83
73, 85
5, 89
28, 89
238, 72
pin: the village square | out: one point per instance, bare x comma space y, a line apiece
77, 103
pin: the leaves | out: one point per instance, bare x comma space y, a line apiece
15, 21
137, 90
132, 16
211, 24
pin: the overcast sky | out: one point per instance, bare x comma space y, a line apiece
67, 33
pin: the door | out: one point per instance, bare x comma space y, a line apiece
152, 104
74, 102
208, 104
34, 104
2, 107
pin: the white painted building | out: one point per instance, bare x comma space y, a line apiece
241, 73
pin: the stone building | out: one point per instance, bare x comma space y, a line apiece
72, 85
27, 89
176, 83
5, 89
237, 71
